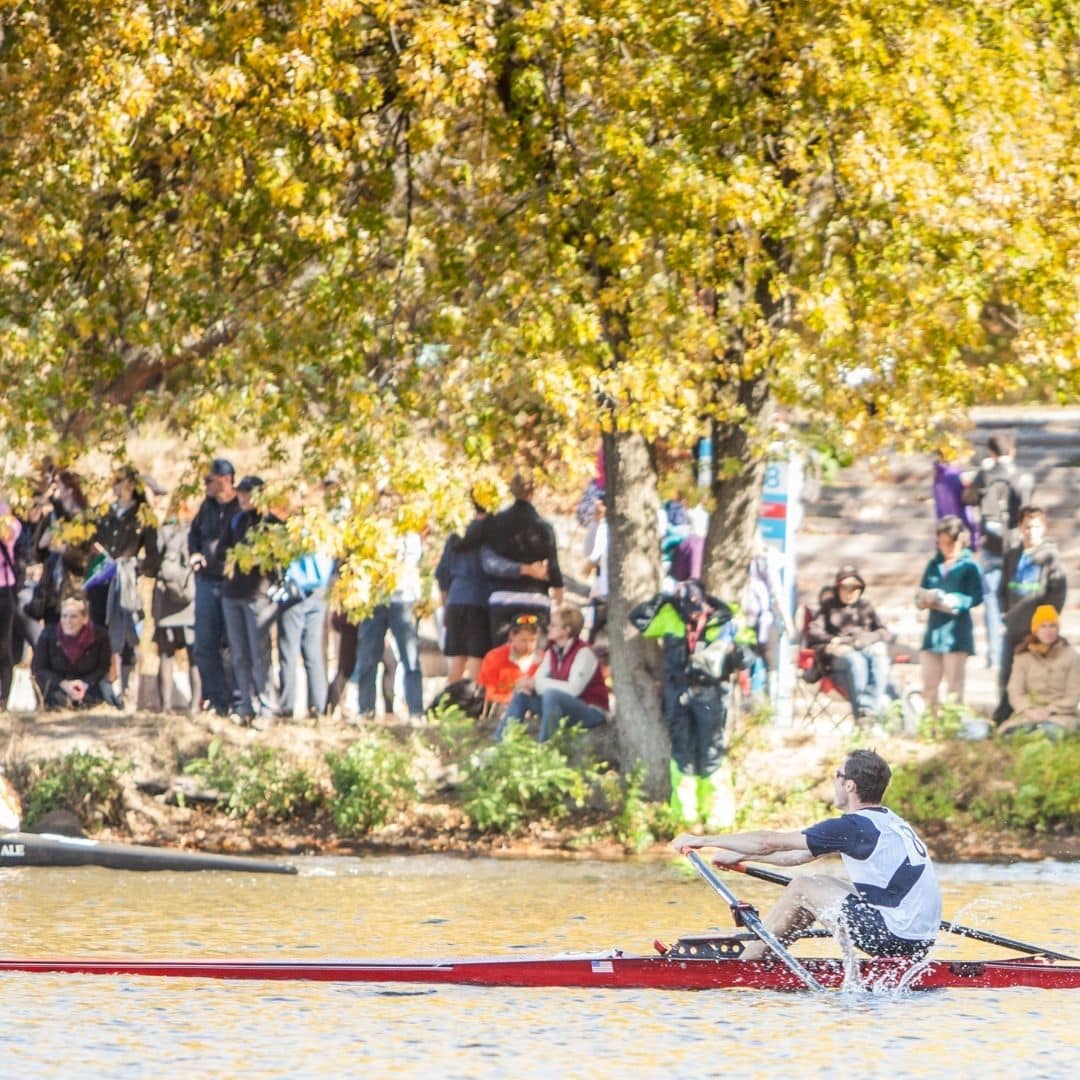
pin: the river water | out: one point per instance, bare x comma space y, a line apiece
424, 907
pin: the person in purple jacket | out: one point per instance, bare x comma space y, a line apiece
948, 489
10, 528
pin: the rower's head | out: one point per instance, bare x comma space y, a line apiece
862, 780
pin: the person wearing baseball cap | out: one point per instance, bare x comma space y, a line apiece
851, 642
220, 467
208, 561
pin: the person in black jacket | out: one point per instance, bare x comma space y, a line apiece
1031, 575
127, 538
249, 612
851, 642
518, 533
71, 660
208, 562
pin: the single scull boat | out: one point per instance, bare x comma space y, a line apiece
695, 963
19, 849
614, 970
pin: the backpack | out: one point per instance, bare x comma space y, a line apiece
999, 509
175, 578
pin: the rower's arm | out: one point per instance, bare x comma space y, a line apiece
765, 845
726, 857
786, 858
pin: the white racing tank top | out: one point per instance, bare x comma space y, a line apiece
888, 865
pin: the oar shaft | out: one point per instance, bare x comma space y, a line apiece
949, 927
1003, 942
752, 922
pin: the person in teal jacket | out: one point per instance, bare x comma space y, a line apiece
951, 587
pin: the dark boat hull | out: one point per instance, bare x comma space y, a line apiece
613, 971
46, 849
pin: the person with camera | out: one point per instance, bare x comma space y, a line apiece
951, 586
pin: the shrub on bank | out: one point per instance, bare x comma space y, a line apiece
1029, 783
1045, 781
518, 779
84, 783
371, 779
257, 783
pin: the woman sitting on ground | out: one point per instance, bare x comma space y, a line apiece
71, 660
1044, 686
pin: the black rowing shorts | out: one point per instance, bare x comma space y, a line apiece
869, 933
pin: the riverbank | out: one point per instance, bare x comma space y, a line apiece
962, 795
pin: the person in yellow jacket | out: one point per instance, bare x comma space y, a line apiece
1044, 686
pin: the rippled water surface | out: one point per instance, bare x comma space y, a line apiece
442, 907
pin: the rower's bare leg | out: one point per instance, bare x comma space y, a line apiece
808, 899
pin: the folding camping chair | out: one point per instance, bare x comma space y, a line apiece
817, 697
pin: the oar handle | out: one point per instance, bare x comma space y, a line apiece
756, 872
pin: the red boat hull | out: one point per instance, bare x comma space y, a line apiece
612, 971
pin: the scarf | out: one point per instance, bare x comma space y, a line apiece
74, 646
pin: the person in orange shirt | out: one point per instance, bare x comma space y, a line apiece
505, 665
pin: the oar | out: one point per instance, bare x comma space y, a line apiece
946, 925
745, 915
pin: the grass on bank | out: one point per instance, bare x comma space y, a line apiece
1027, 784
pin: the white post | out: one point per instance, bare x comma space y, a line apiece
779, 521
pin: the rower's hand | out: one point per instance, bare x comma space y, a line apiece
723, 857
685, 841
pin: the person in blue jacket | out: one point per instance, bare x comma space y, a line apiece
951, 586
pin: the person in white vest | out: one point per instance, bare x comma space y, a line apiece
891, 906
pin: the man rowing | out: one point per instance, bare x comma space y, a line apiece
892, 904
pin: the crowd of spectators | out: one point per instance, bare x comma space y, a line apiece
76, 586
994, 551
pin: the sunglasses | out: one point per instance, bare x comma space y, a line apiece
526, 620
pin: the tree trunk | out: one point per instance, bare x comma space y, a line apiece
634, 568
738, 475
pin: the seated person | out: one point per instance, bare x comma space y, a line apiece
851, 642
569, 683
505, 666
72, 658
1044, 684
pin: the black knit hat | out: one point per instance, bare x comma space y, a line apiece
847, 571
